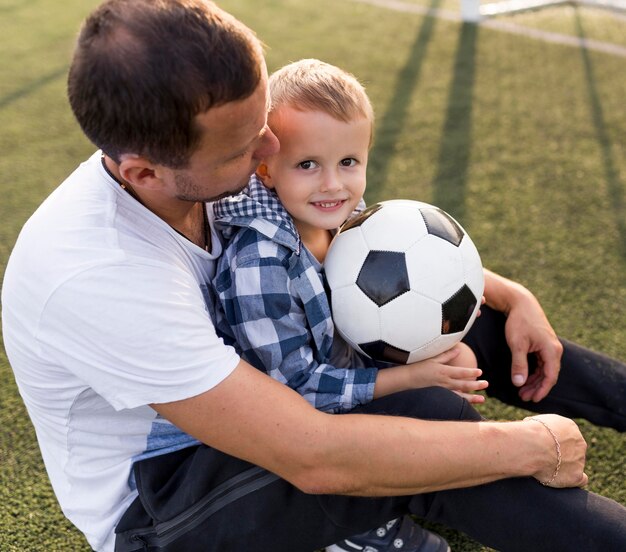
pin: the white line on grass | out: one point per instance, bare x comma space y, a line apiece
512, 28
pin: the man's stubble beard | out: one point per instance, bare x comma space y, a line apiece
188, 190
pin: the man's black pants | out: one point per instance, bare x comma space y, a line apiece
590, 385
201, 499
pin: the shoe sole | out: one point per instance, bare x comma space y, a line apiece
335, 548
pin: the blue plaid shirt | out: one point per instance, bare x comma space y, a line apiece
274, 307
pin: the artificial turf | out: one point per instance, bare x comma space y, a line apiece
520, 139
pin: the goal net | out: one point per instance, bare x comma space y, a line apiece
474, 10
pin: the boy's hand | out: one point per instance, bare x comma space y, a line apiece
437, 371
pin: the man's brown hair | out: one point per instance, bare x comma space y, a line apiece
143, 69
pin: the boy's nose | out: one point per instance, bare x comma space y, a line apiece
331, 182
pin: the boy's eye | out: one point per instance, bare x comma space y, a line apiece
307, 165
348, 162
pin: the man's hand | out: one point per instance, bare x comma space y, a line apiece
568, 447
527, 331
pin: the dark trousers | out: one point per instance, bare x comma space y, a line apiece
201, 499
590, 385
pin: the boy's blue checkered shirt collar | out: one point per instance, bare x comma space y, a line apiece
259, 208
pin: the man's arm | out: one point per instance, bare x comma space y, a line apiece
253, 417
527, 331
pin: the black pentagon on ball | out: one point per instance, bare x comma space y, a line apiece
456, 311
383, 276
380, 350
441, 224
361, 217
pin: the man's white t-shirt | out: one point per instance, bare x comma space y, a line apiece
106, 309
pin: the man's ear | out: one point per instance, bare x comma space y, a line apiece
262, 171
139, 172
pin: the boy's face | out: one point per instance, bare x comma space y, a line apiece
319, 172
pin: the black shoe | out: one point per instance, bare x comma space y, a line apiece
394, 536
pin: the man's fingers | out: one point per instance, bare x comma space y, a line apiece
529, 391
542, 391
519, 367
550, 363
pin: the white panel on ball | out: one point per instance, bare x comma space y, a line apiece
474, 273
435, 268
345, 258
475, 280
355, 316
410, 320
405, 227
439, 345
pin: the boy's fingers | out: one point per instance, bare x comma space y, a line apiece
469, 386
471, 398
460, 373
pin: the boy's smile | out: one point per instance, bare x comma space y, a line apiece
319, 173
329, 205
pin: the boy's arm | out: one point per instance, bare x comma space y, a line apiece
253, 417
270, 324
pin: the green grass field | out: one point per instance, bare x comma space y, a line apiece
520, 139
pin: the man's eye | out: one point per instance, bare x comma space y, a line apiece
348, 162
307, 165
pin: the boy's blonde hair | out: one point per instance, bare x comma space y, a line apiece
313, 85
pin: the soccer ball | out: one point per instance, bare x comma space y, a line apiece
405, 280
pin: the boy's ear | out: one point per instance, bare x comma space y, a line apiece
139, 172
262, 171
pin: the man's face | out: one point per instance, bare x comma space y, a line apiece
235, 136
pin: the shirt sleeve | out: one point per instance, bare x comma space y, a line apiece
267, 319
136, 334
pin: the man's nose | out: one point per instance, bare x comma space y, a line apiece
269, 145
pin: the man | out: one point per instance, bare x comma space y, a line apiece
155, 434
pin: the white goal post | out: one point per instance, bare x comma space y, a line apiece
473, 11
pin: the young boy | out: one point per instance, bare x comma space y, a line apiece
270, 281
